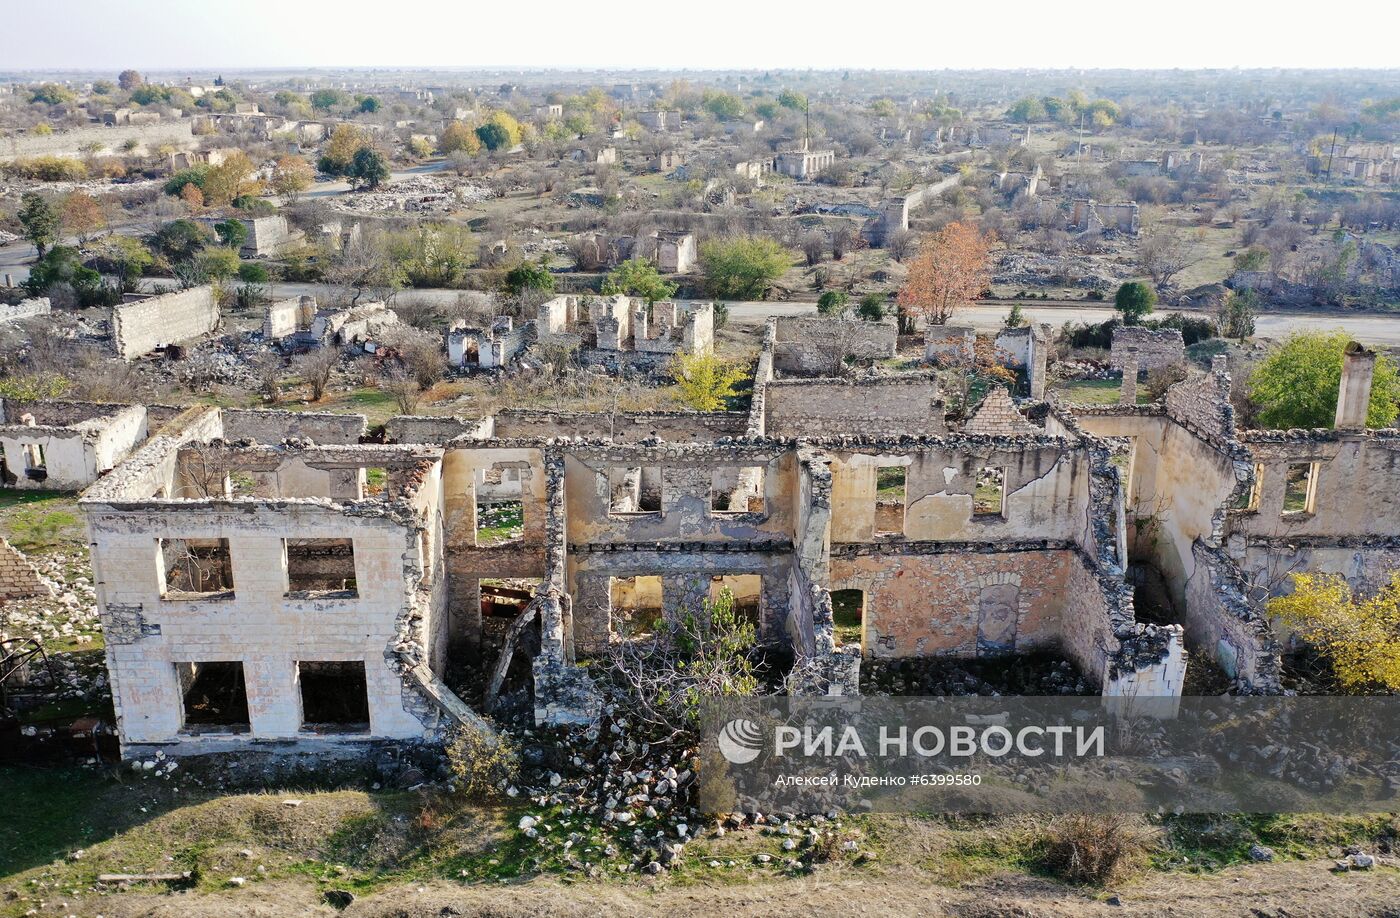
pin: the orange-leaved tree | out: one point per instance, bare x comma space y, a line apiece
950, 270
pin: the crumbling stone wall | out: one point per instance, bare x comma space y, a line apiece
1045, 488
77, 442
623, 427
390, 622
997, 416
1150, 349
287, 317
908, 403
144, 325
811, 347
24, 309
275, 426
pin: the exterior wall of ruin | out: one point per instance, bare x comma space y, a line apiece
629, 427
1351, 521
988, 602
24, 309
685, 542
79, 440
1149, 349
907, 404
468, 563
258, 625
393, 621
813, 347
140, 327
1045, 490
276, 426
436, 430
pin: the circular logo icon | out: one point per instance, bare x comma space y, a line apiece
740, 741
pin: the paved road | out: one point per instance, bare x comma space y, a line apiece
1369, 329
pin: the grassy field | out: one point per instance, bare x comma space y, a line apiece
67, 826
41, 521
1095, 391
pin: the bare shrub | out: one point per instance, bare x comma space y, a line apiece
1160, 379
267, 369
315, 368
398, 381
418, 352
1096, 848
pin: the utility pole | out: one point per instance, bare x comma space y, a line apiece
807, 137
1329, 154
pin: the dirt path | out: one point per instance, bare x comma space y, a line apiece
1292, 890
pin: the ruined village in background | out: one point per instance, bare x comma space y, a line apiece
351, 416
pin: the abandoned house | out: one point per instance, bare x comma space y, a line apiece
64, 446
314, 591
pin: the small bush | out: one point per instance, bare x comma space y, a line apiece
482, 764
1095, 849
1194, 329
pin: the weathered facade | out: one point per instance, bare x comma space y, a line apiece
282, 575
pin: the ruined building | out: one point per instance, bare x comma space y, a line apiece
263, 576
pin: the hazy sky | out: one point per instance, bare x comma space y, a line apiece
200, 36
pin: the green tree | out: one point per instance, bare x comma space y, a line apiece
39, 221
252, 273
1016, 318
1134, 300
218, 263
724, 106
500, 132
63, 265
743, 267
368, 169
1237, 312
793, 100
52, 94
433, 255
369, 105
832, 302
175, 185
326, 99
528, 275
1027, 109
704, 382
1296, 385
872, 307
179, 240
127, 257
638, 277
231, 233
1252, 259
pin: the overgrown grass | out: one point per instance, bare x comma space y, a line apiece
1095, 391
41, 521
366, 841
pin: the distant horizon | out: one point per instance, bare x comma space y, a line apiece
545, 68
98, 36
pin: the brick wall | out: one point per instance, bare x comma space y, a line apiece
19, 578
